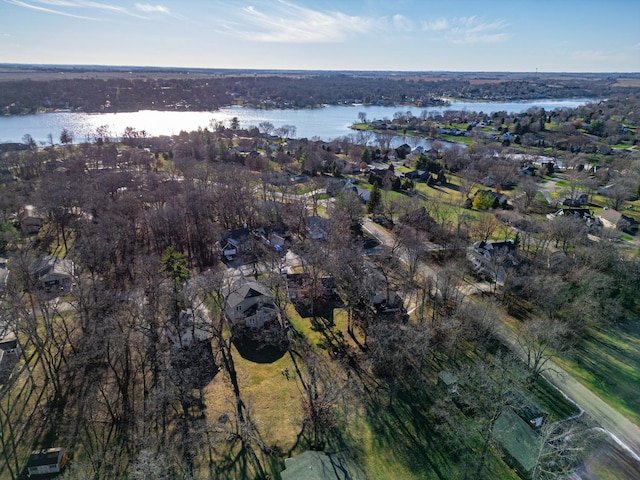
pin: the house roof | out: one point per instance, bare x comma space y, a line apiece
45, 267
316, 226
46, 456
8, 341
244, 289
238, 234
447, 378
612, 216
517, 438
4, 273
312, 465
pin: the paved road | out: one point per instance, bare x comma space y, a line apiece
621, 429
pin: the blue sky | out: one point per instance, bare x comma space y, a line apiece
409, 35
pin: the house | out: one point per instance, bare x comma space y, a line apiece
383, 298
300, 286
316, 227
47, 461
30, 220
582, 200
616, 220
490, 258
250, 303
9, 355
235, 242
583, 213
526, 408
4, 274
499, 199
312, 465
418, 175
519, 441
529, 170
277, 238
191, 328
606, 189
448, 380
363, 194
52, 274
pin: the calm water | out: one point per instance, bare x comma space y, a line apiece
326, 123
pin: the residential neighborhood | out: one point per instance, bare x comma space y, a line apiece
446, 290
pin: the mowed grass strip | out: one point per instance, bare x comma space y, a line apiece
608, 362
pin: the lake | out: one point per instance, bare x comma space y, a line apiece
326, 123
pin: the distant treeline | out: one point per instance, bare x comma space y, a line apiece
277, 91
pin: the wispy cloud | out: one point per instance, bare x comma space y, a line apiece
438, 25
468, 30
76, 8
284, 21
143, 7
48, 10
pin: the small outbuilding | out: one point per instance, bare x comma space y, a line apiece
9, 355
47, 461
312, 465
519, 441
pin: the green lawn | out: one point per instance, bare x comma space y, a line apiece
390, 435
607, 360
454, 139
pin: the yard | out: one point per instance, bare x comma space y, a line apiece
389, 430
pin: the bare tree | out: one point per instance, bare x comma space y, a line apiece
485, 226
384, 140
540, 340
562, 447
529, 191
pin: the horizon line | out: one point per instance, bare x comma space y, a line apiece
297, 70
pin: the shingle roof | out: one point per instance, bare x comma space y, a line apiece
312, 465
517, 438
246, 289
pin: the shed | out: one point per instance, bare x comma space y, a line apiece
449, 380
9, 355
312, 465
47, 461
518, 440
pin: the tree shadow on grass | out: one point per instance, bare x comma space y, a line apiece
259, 349
194, 365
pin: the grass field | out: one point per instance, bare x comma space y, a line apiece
607, 360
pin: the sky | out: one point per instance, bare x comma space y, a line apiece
397, 35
